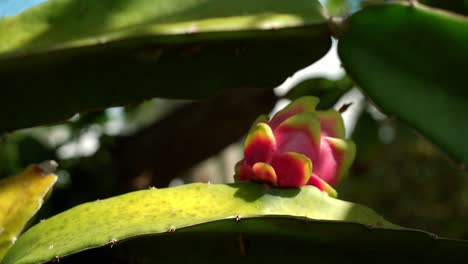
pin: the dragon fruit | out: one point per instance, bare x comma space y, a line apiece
298, 146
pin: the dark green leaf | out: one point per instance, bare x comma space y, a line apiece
457, 6
412, 62
278, 239
329, 91
69, 56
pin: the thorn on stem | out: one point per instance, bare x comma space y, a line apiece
112, 242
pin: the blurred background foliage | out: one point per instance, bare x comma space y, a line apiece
397, 172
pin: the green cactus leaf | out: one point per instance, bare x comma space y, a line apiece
180, 215
21, 196
83, 55
412, 61
329, 91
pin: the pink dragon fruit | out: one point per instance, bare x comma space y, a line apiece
298, 146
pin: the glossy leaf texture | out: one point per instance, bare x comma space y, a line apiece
411, 61
158, 211
69, 56
21, 196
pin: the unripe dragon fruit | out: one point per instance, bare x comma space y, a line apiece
298, 146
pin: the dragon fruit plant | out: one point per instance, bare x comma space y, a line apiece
298, 146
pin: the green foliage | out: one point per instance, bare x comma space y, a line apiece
158, 211
84, 55
413, 66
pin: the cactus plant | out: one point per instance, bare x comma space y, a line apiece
70, 56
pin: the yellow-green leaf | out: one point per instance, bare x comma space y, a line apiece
157, 211
21, 196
